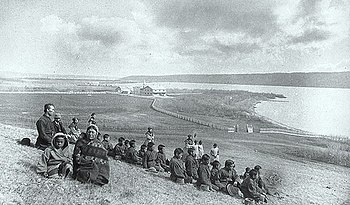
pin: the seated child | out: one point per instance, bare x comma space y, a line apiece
228, 175
214, 177
250, 190
131, 154
56, 161
142, 151
149, 160
161, 160
74, 131
126, 147
261, 183
119, 149
191, 164
107, 145
203, 181
177, 169
246, 173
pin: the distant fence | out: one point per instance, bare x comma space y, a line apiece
249, 128
187, 118
288, 132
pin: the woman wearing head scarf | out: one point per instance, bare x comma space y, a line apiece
90, 158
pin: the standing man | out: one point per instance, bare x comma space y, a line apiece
45, 127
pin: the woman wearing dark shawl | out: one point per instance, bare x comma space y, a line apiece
90, 158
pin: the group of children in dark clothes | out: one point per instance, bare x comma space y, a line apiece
89, 162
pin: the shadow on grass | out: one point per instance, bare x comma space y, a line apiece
31, 167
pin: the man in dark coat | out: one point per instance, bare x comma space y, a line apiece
45, 128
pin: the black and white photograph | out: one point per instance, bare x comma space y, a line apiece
175, 102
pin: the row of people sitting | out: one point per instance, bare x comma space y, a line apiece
89, 163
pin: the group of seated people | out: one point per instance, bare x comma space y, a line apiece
89, 162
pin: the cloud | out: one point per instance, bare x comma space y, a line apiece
111, 42
313, 23
249, 16
310, 36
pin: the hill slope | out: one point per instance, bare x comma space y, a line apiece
128, 184
301, 182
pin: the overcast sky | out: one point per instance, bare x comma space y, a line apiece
158, 37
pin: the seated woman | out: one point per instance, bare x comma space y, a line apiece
56, 160
90, 158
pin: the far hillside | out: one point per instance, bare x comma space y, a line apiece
327, 80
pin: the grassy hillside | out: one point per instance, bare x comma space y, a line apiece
295, 179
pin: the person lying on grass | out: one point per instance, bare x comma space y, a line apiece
56, 160
90, 158
250, 189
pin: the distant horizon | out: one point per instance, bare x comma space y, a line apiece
80, 76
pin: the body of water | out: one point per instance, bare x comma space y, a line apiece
324, 111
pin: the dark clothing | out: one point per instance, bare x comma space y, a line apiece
131, 156
203, 175
162, 161
108, 146
150, 159
59, 127
249, 188
226, 176
119, 151
177, 169
46, 131
141, 153
214, 178
91, 162
191, 165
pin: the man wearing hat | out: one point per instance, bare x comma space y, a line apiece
58, 124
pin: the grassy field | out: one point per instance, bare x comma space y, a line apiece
290, 163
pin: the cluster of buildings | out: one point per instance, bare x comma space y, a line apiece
144, 90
